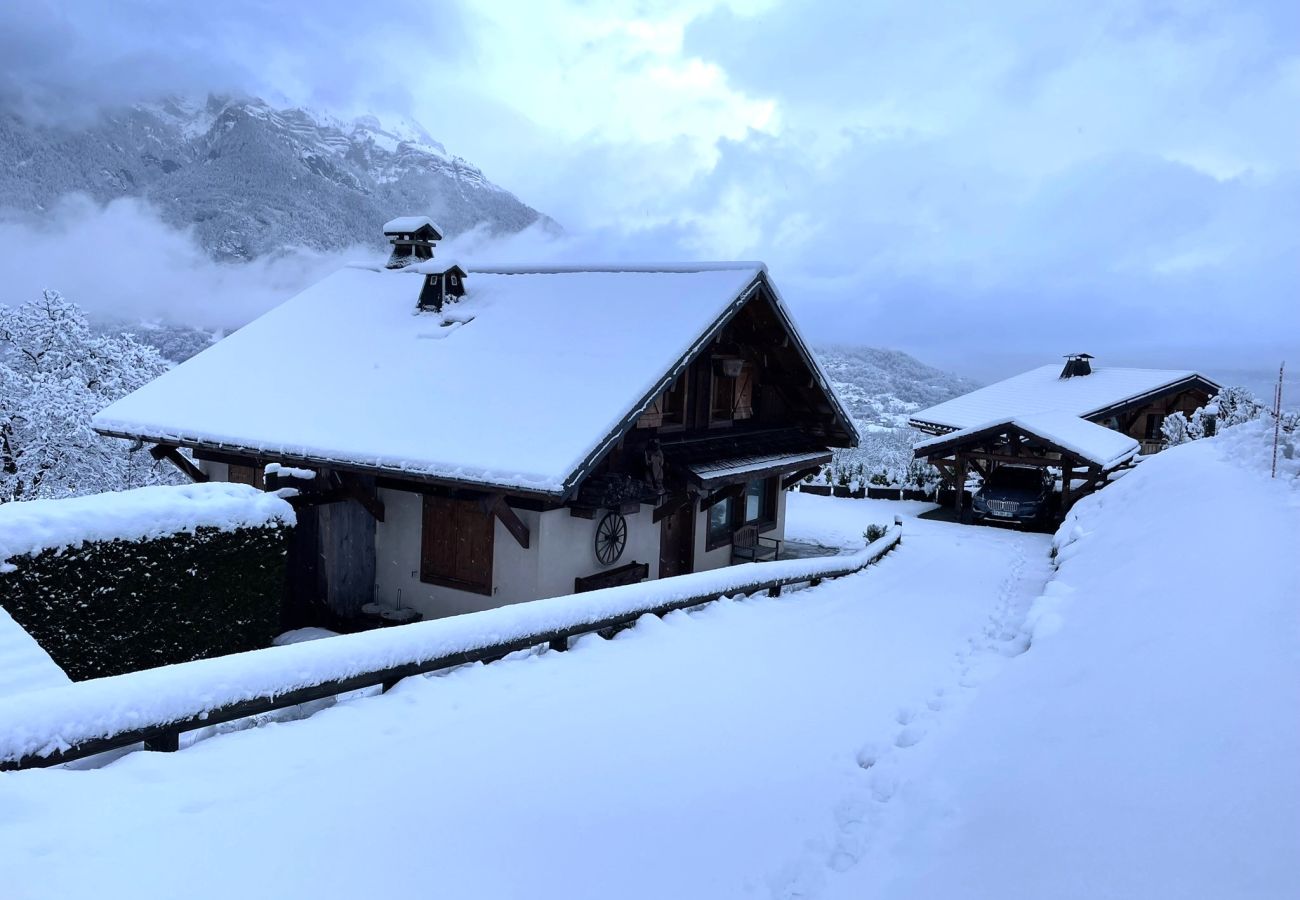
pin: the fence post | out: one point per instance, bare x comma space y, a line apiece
164, 743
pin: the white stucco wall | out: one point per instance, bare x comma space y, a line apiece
397, 563
568, 548
561, 548
214, 470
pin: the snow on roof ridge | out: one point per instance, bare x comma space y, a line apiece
615, 268
410, 223
431, 267
1096, 443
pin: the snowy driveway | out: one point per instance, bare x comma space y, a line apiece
713, 754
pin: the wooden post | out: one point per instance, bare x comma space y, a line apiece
1067, 475
961, 486
560, 644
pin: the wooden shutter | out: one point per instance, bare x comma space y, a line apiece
246, 475
744, 402
456, 541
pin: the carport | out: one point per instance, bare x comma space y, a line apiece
1085, 453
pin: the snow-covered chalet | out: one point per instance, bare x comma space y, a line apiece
1080, 422
463, 438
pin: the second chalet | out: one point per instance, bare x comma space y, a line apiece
466, 438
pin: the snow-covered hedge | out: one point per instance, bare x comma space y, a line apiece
49, 721
126, 580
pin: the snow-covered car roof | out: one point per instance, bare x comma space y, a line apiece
1044, 389
514, 386
1095, 443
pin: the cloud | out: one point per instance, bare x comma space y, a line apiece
980, 184
122, 261
66, 59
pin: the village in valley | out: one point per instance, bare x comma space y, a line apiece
395, 557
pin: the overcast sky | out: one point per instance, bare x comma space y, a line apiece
986, 185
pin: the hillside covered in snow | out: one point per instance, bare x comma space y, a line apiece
882, 388
985, 713
252, 179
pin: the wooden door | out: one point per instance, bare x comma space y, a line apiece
677, 542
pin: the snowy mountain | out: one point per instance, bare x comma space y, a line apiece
881, 388
252, 179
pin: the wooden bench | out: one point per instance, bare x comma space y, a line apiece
628, 574
748, 545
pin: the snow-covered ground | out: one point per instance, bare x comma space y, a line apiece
948, 723
702, 755
1148, 745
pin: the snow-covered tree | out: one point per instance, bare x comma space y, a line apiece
1233, 406
55, 373
1175, 429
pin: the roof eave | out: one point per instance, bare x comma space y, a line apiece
1178, 384
850, 438
333, 463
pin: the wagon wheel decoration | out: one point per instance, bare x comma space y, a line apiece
611, 538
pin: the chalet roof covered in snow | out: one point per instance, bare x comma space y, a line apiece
1044, 389
517, 385
1095, 443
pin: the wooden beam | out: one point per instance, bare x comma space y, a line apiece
173, 455
728, 492
1042, 461
670, 506
792, 480
367, 496
961, 485
497, 506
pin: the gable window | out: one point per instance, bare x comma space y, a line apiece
733, 395
456, 544
724, 398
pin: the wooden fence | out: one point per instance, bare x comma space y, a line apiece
162, 732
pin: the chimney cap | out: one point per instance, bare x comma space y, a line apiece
412, 225
1077, 365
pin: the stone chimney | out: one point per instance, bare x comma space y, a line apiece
1077, 365
413, 239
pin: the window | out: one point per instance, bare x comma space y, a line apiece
760, 501
719, 524
724, 398
1154, 423
733, 396
456, 544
